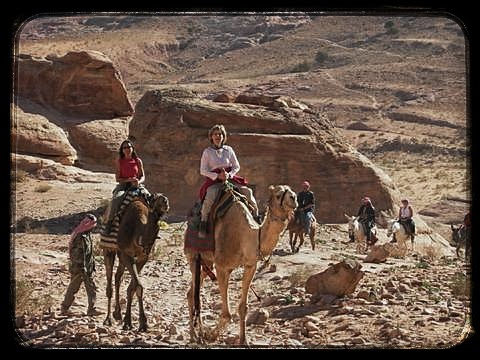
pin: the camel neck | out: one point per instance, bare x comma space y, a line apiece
270, 233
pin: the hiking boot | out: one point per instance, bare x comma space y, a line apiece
202, 229
394, 240
93, 312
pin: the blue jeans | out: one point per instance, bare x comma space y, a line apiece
307, 220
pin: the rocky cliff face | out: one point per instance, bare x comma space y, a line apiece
81, 84
72, 109
277, 141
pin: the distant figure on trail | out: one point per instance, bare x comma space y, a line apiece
219, 164
467, 224
130, 175
405, 217
366, 216
81, 265
306, 206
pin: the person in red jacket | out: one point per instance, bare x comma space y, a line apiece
129, 175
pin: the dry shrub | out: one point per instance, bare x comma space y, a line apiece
431, 252
19, 175
25, 300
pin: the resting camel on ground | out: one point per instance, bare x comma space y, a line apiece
239, 242
136, 236
296, 230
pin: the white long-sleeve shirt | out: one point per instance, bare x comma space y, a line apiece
213, 158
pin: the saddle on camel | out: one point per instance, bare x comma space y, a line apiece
108, 237
224, 200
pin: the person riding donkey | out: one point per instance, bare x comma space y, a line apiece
405, 215
219, 164
306, 206
366, 216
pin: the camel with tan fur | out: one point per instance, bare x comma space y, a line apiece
239, 242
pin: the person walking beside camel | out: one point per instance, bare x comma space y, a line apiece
81, 265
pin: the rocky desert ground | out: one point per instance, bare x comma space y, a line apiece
394, 87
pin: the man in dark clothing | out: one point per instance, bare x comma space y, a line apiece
306, 206
366, 216
81, 265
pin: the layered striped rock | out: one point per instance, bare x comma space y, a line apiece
277, 141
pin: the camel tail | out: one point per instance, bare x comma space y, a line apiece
196, 293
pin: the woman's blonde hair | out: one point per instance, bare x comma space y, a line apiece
220, 128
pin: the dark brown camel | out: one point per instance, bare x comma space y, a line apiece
136, 236
296, 230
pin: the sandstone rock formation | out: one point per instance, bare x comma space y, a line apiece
97, 143
72, 109
276, 141
82, 84
33, 134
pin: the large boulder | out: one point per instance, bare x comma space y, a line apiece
81, 84
33, 134
98, 142
277, 142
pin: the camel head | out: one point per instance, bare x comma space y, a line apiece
283, 199
160, 204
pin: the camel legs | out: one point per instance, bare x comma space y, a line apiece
248, 273
223, 275
312, 235
195, 323
117, 313
109, 260
293, 240
302, 239
135, 286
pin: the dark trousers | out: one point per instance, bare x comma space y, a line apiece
76, 281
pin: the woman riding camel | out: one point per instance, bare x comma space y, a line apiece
219, 164
129, 174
